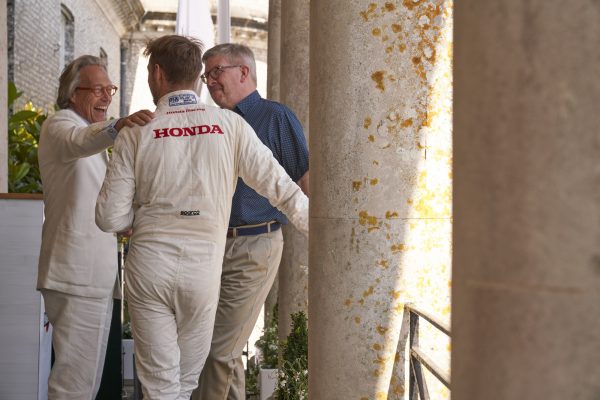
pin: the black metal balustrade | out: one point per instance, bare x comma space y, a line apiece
418, 359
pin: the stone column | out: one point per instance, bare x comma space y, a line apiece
3, 100
526, 290
273, 66
293, 270
274, 50
380, 212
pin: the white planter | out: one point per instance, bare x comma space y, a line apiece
128, 359
267, 382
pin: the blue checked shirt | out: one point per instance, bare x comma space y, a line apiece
279, 129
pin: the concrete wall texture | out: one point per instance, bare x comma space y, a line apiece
381, 190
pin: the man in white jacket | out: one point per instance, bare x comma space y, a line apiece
172, 182
77, 272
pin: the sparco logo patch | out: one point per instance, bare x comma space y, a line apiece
189, 213
187, 131
182, 99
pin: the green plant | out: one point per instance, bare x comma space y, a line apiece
268, 343
252, 379
292, 383
23, 136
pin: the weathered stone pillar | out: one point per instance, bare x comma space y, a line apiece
380, 211
3, 100
274, 50
273, 67
293, 270
526, 289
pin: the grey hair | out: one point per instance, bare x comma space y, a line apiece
235, 53
69, 78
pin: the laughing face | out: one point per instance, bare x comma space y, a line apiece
84, 102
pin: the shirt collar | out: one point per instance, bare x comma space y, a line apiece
247, 103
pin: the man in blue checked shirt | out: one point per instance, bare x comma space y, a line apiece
254, 240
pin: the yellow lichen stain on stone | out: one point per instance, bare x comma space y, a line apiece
378, 77
368, 292
389, 49
369, 12
372, 228
397, 248
395, 294
398, 308
381, 330
396, 28
377, 347
409, 201
383, 263
391, 214
357, 320
424, 206
374, 181
361, 302
380, 360
398, 390
388, 7
376, 31
367, 123
375, 162
446, 310
348, 302
385, 38
365, 218
371, 138
381, 396
356, 185
402, 47
406, 123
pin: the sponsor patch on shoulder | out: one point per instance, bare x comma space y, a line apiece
182, 99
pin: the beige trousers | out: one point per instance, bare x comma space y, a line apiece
80, 335
249, 267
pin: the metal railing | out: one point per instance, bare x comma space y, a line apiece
418, 359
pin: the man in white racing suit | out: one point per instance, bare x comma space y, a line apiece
172, 181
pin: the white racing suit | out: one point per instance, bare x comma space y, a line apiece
172, 181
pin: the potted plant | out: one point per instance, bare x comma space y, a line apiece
293, 373
268, 346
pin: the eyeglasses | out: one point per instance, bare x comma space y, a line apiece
100, 90
215, 72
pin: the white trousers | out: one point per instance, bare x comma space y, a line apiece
80, 335
172, 302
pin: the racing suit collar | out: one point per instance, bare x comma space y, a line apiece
178, 98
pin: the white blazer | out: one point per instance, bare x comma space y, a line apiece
76, 257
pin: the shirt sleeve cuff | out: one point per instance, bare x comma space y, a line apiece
111, 130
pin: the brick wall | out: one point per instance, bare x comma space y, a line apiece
37, 46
